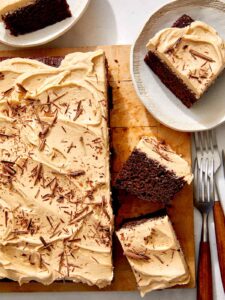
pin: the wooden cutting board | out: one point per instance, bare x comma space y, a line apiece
129, 120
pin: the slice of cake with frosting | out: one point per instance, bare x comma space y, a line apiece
154, 171
24, 16
56, 219
187, 58
154, 253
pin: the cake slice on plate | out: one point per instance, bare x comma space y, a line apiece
24, 16
154, 171
154, 253
187, 57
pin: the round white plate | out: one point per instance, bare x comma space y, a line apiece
160, 102
47, 34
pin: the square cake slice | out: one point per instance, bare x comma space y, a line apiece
24, 16
187, 57
154, 253
154, 171
56, 219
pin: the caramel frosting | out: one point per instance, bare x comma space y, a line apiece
196, 54
7, 6
55, 205
165, 156
154, 254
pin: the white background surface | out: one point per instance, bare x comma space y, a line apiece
119, 22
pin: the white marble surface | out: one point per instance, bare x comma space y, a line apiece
118, 22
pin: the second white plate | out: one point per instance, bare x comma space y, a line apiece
48, 33
161, 103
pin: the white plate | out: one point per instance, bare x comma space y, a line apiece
47, 34
163, 105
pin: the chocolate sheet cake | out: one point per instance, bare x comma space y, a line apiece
188, 57
56, 219
24, 16
154, 171
154, 253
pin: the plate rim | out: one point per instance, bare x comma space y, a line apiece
163, 7
53, 37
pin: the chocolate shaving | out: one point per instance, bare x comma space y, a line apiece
81, 217
38, 175
201, 55
37, 194
2, 76
74, 240
21, 88
59, 97
61, 261
49, 221
9, 170
158, 258
57, 226
46, 245
8, 92
6, 135
63, 129
77, 173
134, 255
29, 224
6, 218
42, 144
70, 147
79, 111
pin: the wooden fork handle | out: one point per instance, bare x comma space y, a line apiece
204, 287
219, 220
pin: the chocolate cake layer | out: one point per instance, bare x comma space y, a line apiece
183, 21
36, 16
147, 179
128, 223
170, 80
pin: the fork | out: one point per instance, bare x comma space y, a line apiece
207, 147
204, 199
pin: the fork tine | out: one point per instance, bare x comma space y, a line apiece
196, 181
211, 171
201, 141
206, 180
211, 140
196, 141
201, 181
208, 141
214, 139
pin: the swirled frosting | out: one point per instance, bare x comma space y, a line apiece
56, 218
154, 254
165, 156
196, 54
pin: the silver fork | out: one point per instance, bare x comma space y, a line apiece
204, 199
207, 148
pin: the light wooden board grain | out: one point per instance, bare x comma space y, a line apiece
129, 120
